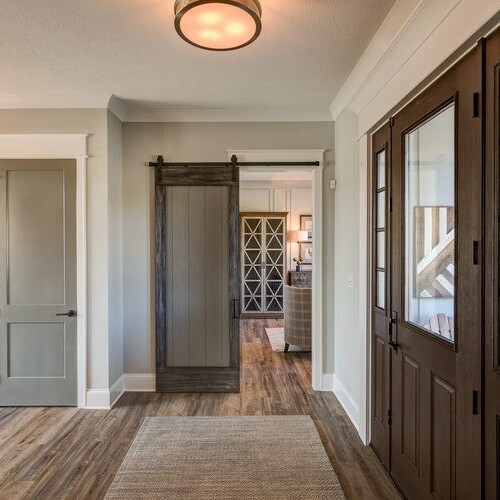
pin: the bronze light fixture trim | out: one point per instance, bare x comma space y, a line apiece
218, 25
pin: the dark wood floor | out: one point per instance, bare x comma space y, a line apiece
50, 453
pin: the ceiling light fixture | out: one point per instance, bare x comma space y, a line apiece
218, 24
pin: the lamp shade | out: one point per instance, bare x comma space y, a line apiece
298, 236
218, 24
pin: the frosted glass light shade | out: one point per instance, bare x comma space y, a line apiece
218, 25
298, 236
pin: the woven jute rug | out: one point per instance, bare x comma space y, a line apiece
276, 338
221, 458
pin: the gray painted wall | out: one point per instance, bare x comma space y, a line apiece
200, 142
346, 257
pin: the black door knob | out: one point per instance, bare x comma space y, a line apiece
70, 313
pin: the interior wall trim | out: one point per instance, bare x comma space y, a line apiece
65, 146
163, 115
327, 382
98, 399
347, 401
139, 382
103, 399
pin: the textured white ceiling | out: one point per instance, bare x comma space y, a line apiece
77, 53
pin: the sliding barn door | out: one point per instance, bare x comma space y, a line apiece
492, 350
197, 280
437, 288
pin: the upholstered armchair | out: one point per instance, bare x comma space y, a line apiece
298, 317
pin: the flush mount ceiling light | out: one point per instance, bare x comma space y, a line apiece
218, 24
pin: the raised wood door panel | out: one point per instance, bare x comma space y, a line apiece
197, 280
198, 305
492, 274
380, 352
436, 287
37, 282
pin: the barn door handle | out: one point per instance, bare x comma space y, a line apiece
236, 309
70, 313
475, 253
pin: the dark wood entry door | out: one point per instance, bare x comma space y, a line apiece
437, 287
492, 330
197, 279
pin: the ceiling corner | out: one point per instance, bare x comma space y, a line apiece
117, 107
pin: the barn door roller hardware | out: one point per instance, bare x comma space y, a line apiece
160, 163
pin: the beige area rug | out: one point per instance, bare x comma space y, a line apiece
277, 338
222, 458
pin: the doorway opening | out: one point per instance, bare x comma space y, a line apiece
280, 260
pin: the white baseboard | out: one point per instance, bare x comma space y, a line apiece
103, 399
117, 389
98, 399
347, 401
139, 382
327, 382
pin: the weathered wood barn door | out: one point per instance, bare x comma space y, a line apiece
197, 279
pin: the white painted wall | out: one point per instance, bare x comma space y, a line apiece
274, 196
416, 42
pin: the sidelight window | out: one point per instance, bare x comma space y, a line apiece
380, 230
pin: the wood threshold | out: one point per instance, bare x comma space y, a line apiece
202, 379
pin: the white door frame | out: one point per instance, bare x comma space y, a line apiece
63, 146
305, 155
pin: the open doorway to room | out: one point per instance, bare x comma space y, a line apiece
277, 258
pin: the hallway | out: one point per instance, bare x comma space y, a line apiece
71, 453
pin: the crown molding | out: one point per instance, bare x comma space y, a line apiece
227, 115
416, 43
117, 107
385, 39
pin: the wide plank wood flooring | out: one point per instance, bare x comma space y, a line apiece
49, 453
